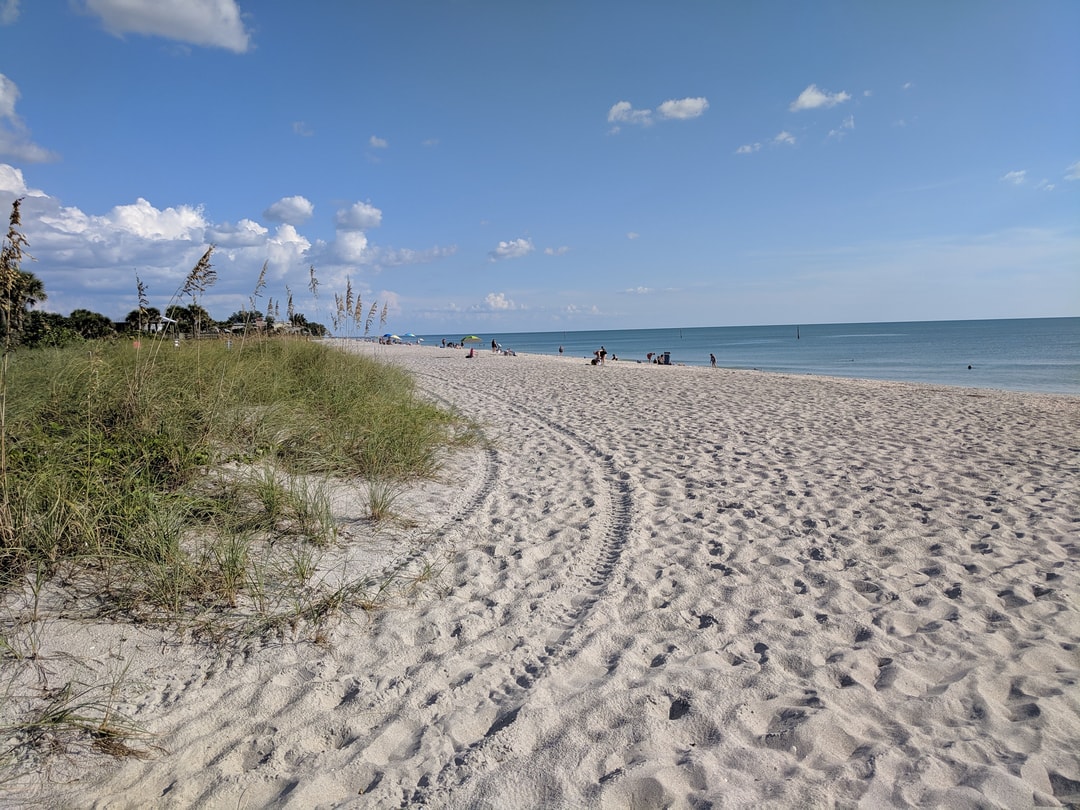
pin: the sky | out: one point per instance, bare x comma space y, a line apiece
492, 166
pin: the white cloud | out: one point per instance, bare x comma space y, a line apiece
213, 23
812, 98
633, 235
377, 143
294, 210
9, 12
14, 136
784, 137
287, 248
147, 222
624, 113
351, 246
246, 233
498, 302
11, 180
683, 109
748, 149
90, 260
359, 217
639, 290
559, 251
1017, 178
512, 250
907, 86
1073, 172
302, 129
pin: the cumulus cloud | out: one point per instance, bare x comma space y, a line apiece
11, 180
683, 108
351, 246
245, 233
812, 98
211, 23
141, 219
1017, 178
748, 149
497, 302
15, 138
512, 250
88, 260
559, 251
377, 143
294, 210
359, 217
784, 137
624, 113
1073, 172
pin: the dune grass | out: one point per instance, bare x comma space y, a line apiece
170, 483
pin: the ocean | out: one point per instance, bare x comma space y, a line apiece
1028, 354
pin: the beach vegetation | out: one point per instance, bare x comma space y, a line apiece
185, 484
179, 481
170, 475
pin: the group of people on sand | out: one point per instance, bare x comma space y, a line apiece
599, 356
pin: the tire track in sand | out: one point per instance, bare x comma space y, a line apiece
549, 636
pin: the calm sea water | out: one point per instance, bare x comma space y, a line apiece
1034, 354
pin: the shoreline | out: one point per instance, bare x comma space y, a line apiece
584, 360
736, 587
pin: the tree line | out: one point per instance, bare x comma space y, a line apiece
23, 324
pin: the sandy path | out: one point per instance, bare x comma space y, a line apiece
676, 587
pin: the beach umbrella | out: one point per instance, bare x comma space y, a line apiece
470, 339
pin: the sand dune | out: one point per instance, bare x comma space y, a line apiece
666, 587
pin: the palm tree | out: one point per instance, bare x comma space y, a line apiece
24, 292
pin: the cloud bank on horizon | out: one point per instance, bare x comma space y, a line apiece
523, 197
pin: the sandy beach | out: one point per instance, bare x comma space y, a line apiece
657, 587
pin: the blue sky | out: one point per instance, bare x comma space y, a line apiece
510, 166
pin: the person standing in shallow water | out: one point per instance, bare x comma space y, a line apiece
712, 359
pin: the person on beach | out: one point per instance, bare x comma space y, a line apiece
494, 346
602, 354
712, 359
471, 354
560, 351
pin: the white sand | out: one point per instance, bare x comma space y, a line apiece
665, 587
